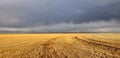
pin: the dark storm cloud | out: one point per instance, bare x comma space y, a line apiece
21, 15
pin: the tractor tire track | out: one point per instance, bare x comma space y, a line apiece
115, 52
48, 49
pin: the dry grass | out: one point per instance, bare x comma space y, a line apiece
60, 45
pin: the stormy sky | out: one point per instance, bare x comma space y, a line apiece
59, 15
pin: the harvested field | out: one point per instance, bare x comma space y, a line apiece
99, 45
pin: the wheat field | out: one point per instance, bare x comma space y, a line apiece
95, 45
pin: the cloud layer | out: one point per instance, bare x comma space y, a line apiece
60, 15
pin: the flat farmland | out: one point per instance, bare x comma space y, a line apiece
79, 45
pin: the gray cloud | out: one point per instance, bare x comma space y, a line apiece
20, 15
100, 26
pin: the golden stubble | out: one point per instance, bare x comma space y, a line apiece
80, 45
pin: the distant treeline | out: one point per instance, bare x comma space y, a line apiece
17, 32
